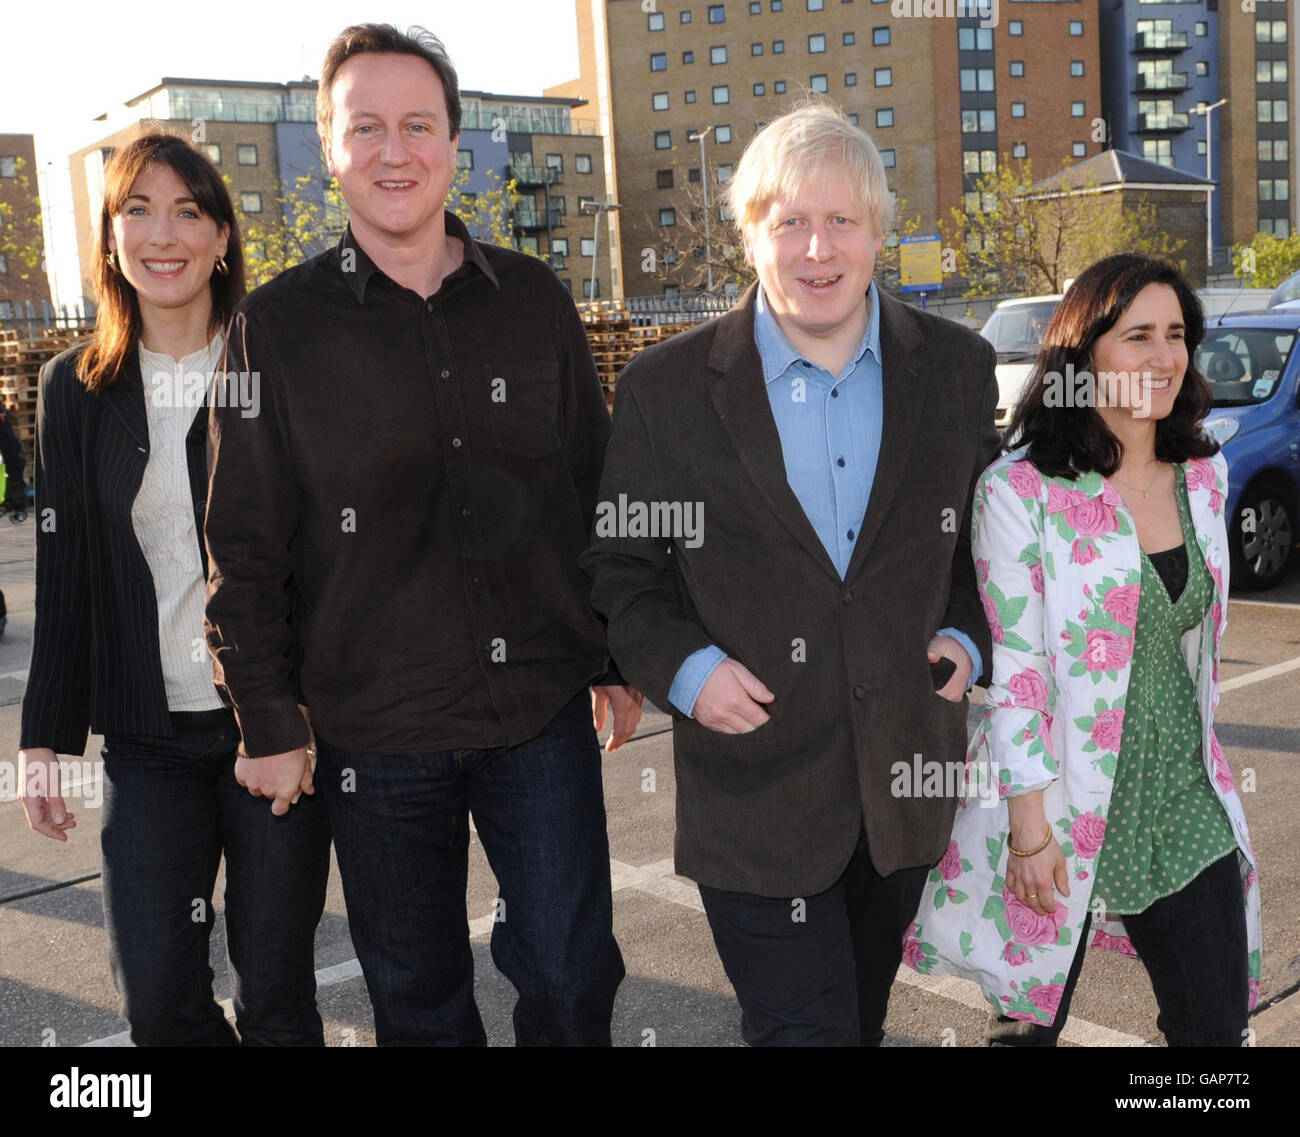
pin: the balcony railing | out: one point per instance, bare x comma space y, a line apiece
1162, 42
1162, 123
1166, 81
527, 175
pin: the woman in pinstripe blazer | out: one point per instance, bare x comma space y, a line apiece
121, 474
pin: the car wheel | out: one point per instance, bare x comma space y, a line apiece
1263, 537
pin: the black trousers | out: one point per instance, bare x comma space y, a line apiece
816, 970
1193, 945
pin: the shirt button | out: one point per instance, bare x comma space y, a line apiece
859, 692
839, 461
428, 307
847, 596
456, 442
850, 534
835, 394
446, 374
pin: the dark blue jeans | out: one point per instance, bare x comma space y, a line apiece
817, 973
401, 833
1193, 945
171, 808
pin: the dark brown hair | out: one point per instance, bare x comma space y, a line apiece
361, 38
117, 323
1066, 441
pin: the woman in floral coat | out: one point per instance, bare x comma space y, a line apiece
1101, 552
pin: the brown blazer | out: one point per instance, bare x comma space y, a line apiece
777, 811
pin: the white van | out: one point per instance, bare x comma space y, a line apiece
1015, 329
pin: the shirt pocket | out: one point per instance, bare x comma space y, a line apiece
523, 405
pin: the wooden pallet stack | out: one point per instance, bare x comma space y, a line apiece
22, 355
615, 339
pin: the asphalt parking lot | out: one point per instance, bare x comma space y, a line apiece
55, 986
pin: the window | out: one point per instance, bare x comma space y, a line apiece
884, 117
213, 151
668, 216
1079, 149
656, 21
464, 159
818, 83
528, 244
1202, 67
555, 162
1200, 147
717, 55
1159, 150
849, 39
1277, 150
760, 89
1017, 110
775, 5
974, 39
883, 77
816, 44
722, 94
724, 174
1270, 110
1270, 71
246, 154
889, 159
659, 61
778, 87
756, 7
850, 78
659, 101
663, 139
755, 49
816, 5
1019, 150
778, 47
4, 265
689, 97
559, 205
688, 57
582, 163
693, 174
973, 121
1076, 66
879, 37
722, 133
973, 79
1076, 110
250, 202
686, 16
1201, 29
664, 179
1017, 69
1076, 27
588, 292
560, 245
853, 118
1015, 28
717, 13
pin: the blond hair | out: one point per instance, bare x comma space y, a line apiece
796, 149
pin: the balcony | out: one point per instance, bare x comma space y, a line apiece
529, 216
1171, 81
526, 175
1162, 123
1160, 43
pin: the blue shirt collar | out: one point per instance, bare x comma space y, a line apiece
776, 352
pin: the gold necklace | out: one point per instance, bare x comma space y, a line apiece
1146, 492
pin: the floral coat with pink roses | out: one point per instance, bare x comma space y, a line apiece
1059, 569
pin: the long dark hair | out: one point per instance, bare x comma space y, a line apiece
117, 323
1068, 441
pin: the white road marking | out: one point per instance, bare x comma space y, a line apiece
1259, 675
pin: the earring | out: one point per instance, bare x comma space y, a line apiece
221, 267
112, 260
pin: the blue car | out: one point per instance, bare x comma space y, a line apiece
1254, 369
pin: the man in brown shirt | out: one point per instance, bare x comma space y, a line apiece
394, 538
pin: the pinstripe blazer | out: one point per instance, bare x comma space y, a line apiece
95, 657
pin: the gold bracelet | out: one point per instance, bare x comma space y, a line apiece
1031, 852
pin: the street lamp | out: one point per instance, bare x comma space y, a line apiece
596, 207
1207, 110
704, 177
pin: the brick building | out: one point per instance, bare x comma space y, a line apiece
24, 288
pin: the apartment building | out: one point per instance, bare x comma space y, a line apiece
263, 137
945, 97
24, 288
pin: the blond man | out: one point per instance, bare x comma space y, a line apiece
825, 624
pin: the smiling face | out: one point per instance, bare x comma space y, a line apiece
1141, 361
390, 146
166, 246
814, 255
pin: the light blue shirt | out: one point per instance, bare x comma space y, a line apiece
830, 429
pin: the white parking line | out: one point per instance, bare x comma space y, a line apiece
658, 880
1259, 674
